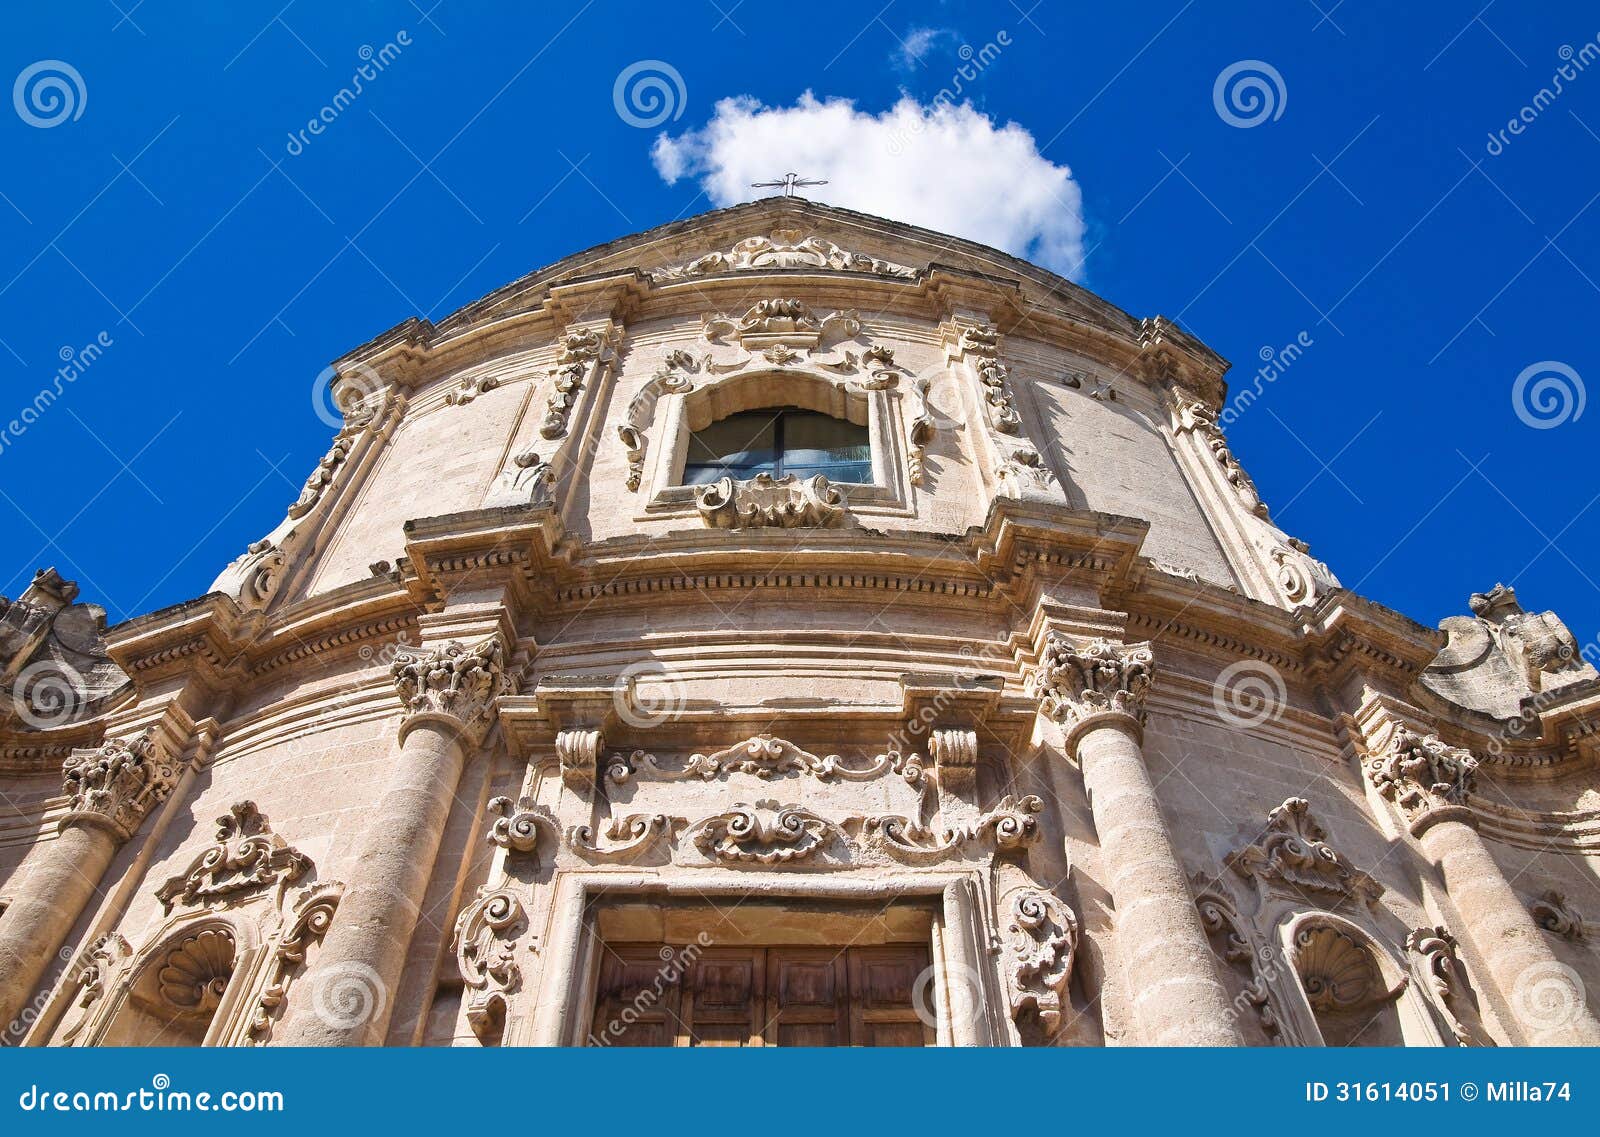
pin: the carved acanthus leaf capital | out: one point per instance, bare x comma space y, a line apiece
454, 682
116, 784
1078, 682
1423, 776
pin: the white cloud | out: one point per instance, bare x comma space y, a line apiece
943, 166
917, 43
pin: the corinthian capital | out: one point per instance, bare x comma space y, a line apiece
454, 682
116, 784
1427, 779
1077, 683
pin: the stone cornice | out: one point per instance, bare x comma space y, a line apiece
1347, 634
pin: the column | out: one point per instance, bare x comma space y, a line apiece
112, 788
348, 996
1428, 782
1097, 692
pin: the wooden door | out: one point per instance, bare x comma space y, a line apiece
760, 996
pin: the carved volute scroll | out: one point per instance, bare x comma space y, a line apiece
765, 833
763, 501
578, 353
117, 784
1293, 852
516, 826
785, 249
1041, 947
1078, 684
453, 682
1427, 779
1434, 949
487, 944
1555, 915
1250, 966
247, 857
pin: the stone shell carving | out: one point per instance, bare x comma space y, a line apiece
784, 249
246, 857
765, 833
1337, 971
1041, 947
1076, 682
195, 972
1421, 774
1293, 850
453, 681
116, 784
767, 502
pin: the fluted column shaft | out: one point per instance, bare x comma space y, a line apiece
347, 998
54, 883
1097, 692
1546, 998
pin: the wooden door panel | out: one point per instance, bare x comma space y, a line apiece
763, 996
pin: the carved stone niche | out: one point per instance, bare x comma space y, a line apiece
1351, 997
767, 502
1292, 854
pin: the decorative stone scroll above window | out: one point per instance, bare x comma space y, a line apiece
764, 502
1294, 852
1009, 825
247, 857
765, 833
786, 249
765, 757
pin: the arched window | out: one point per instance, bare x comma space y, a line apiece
779, 441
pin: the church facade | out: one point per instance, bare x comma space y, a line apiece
789, 627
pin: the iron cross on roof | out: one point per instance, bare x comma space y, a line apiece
790, 183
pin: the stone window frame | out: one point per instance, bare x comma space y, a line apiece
971, 994
681, 413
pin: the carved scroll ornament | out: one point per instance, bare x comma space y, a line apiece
1294, 851
247, 856
1041, 946
767, 502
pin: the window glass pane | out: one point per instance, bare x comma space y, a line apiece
779, 441
811, 439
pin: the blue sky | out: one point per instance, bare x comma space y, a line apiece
170, 215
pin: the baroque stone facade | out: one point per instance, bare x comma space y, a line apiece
1013, 718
